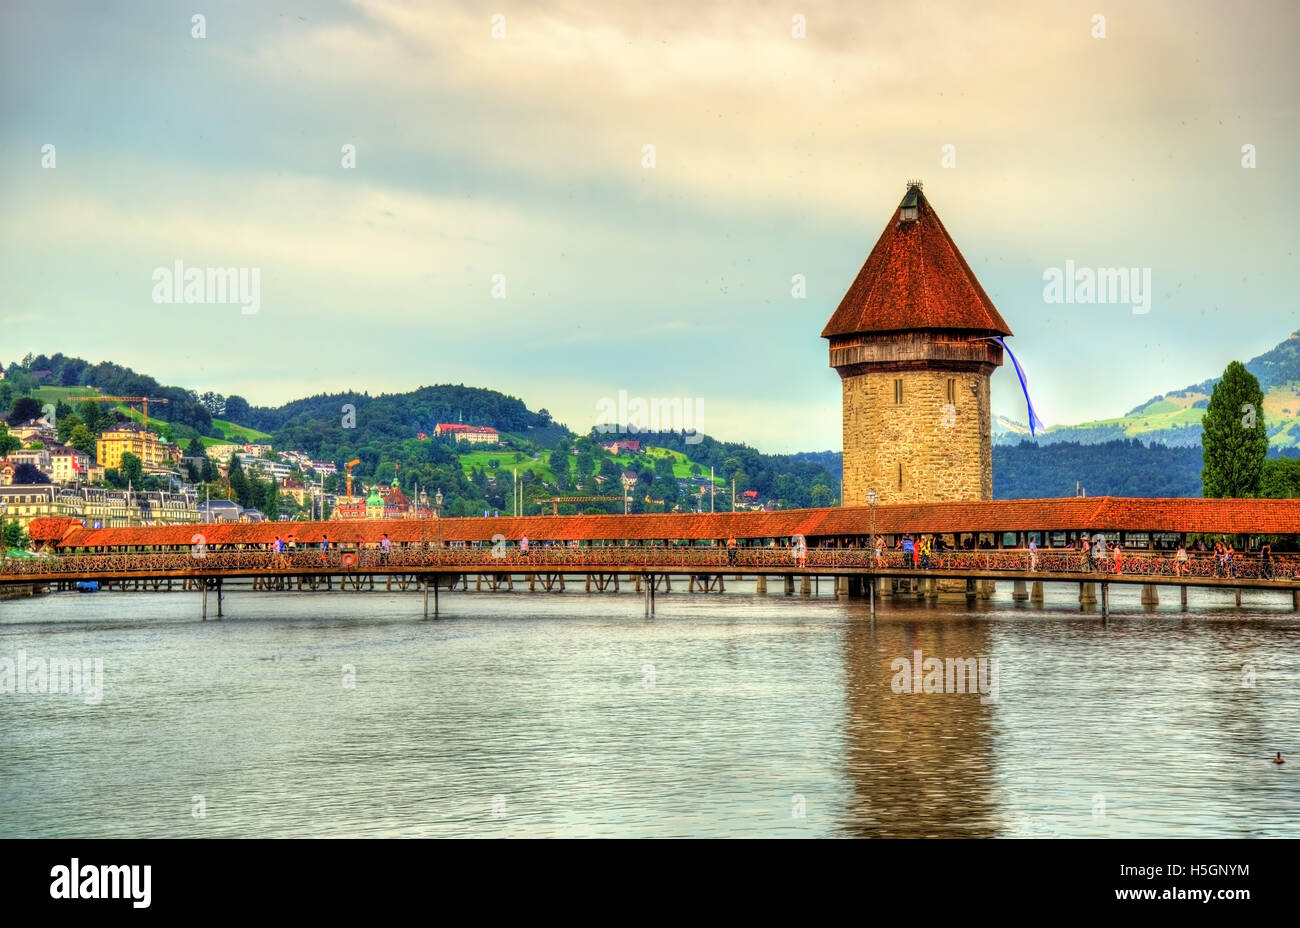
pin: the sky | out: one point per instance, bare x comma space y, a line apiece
502, 225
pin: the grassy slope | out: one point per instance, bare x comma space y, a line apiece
233, 432
1176, 410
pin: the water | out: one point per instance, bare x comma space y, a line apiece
573, 715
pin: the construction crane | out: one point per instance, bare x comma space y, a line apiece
348, 467
556, 500
144, 402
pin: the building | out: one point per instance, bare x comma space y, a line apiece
127, 436
38, 458
474, 434
97, 506
68, 465
33, 430
912, 341
622, 445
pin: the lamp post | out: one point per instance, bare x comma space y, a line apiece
872, 498
437, 515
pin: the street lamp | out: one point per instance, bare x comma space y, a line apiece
437, 515
872, 499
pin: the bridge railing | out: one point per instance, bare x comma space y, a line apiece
646, 558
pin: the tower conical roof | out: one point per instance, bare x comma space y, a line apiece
915, 278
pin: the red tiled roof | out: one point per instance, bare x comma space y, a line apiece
51, 528
915, 278
1217, 516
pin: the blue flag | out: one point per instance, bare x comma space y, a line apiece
1035, 423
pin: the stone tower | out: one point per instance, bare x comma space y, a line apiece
912, 343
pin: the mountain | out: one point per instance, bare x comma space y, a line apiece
1173, 419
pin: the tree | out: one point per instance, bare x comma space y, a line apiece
67, 422
237, 410
1281, 478
238, 481
82, 439
7, 442
131, 468
27, 474
1234, 441
24, 408
14, 535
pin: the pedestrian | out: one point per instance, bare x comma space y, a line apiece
1119, 557
1180, 560
1085, 549
926, 550
1228, 565
1099, 550
731, 550
880, 548
523, 546
385, 546
1266, 561
1033, 553
324, 549
909, 551
800, 550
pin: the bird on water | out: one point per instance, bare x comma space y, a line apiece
1278, 759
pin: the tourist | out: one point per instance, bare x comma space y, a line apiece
385, 546
324, 549
1119, 558
1099, 550
800, 550
1033, 553
523, 546
1228, 567
926, 549
909, 549
1085, 548
1180, 560
731, 550
1266, 561
880, 548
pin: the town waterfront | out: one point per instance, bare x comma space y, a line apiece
338, 714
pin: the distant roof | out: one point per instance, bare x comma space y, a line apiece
915, 278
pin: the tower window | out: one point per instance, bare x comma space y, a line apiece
898, 391
952, 390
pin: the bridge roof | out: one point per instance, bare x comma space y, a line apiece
1216, 516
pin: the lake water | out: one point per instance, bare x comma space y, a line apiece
573, 714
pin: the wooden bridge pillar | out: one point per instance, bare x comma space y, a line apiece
760, 584
219, 613
1150, 597
841, 586
1088, 593
789, 584
1105, 601
1018, 591
1182, 595
984, 589
203, 585
1295, 599
805, 586
1238, 591
1036, 591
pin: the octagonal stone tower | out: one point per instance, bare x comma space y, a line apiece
912, 342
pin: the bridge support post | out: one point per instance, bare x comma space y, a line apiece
426, 597
871, 594
1036, 591
1295, 599
760, 584
1182, 596
1150, 597
1087, 593
1105, 601
219, 612
805, 587
203, 585
841, 586
1238, 591
789, 584
984, 589
1018, 591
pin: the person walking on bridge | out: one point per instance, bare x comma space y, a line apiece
1033, 553
1266, 561
1119, 558
385, 547
523, 546
1180, 560
731, 550
1085, 547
